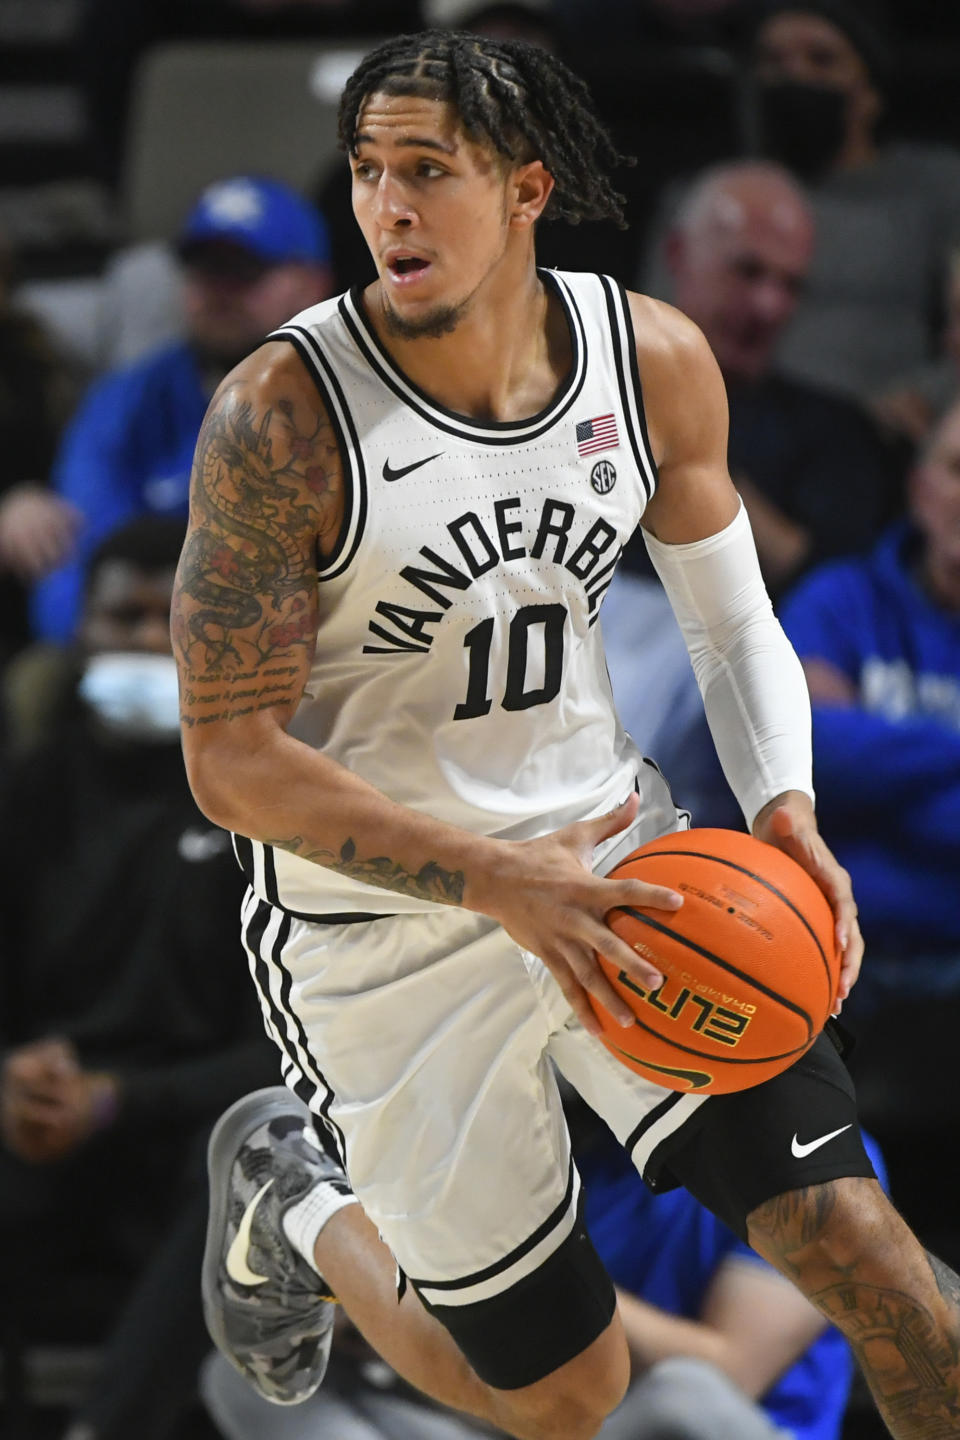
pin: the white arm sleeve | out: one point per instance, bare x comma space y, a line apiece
753, 686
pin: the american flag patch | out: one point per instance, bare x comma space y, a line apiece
600, 433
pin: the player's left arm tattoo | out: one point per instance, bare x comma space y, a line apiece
430, 882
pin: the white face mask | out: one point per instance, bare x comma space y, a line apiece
134, 695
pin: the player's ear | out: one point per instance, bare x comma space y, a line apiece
531, 185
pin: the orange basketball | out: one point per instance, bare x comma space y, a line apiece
750, 963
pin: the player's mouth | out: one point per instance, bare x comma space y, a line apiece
406, 269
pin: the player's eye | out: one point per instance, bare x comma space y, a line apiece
363, 170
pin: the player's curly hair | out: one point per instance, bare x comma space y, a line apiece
520, 98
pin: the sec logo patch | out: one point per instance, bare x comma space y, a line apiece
603, 477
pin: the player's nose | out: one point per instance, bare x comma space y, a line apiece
392, 205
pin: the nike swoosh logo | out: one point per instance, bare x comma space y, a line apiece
800, 1150
390, 474
237, 1267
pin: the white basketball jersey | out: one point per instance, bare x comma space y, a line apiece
459, 664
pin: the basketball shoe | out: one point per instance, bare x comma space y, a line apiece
268, 1311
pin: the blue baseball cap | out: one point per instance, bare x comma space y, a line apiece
264, 217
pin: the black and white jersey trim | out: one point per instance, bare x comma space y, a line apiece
523, 1260
256, 862
599, 585
243, 850
489, 432
265, 931
351, 455
658, 1125
628, 379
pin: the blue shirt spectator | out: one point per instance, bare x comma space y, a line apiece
880, 641
127, 452
254, 253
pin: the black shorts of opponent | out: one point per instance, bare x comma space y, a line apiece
734, 1153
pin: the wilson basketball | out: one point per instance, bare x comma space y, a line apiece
749, 961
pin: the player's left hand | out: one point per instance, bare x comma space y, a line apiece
788, 822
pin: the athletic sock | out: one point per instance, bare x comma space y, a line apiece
303, 1222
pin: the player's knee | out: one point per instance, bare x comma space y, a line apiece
573, 1402
568, 1417
829, 1227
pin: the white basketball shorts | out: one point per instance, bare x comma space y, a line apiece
426, 1044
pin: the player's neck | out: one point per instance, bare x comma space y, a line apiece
506, 358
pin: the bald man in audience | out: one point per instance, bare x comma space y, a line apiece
814, 473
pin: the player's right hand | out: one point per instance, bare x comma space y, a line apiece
547, 898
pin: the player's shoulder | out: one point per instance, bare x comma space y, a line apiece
266, 425
267, 418
275, 370
272, 382
660, 330
315, 317
664, 336
683, 392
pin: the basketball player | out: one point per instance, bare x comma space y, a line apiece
405, 509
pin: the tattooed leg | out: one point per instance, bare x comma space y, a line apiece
856, 1259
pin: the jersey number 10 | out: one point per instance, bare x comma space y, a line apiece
516, 693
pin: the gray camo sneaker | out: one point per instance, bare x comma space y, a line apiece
266, 1309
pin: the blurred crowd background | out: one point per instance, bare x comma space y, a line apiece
170, 191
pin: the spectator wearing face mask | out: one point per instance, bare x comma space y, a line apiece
664, 74
125, 1025
253, 253
887, 212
